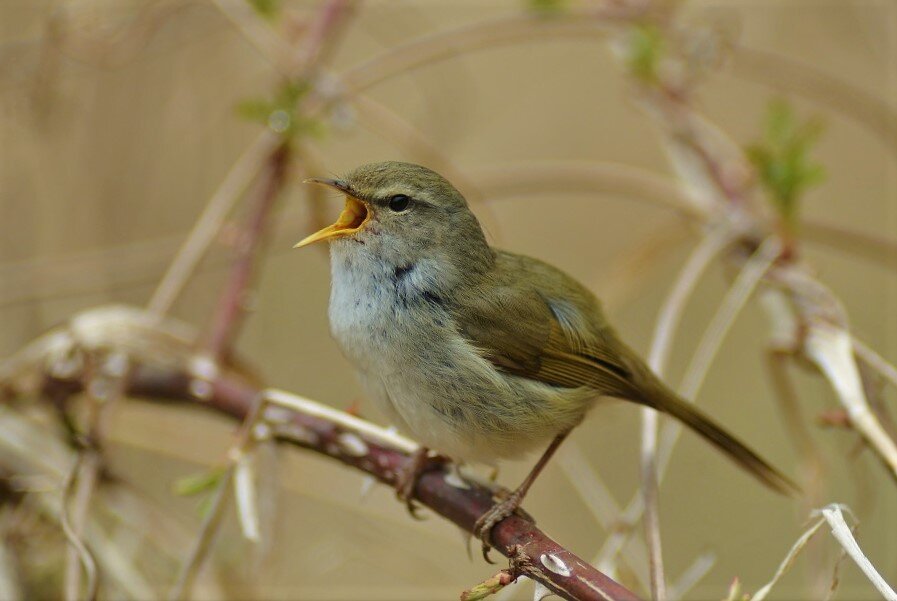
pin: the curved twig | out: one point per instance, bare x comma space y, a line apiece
71, 534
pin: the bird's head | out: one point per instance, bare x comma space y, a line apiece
401, 213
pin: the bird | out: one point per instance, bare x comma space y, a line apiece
479, 353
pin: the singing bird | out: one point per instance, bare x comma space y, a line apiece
479, 353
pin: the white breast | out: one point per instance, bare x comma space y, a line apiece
426, 378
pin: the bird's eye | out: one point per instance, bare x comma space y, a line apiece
399, 202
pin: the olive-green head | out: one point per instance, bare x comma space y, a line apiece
402, 212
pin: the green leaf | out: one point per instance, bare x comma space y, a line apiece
195, 484
266, 8
782, 159
254, 109
645, 50
279, 112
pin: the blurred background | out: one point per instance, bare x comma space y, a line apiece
120, 118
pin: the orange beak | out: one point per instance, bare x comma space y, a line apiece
355, 214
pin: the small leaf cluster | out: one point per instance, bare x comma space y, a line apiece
279, 113
266, 8
782, 158
644, 51
202, 483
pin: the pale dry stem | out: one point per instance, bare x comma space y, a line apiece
210, 222
78, 486
668, 320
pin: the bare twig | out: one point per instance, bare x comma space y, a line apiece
203, 543
807, 80
831, 348
210, 222
604, 508
875, 361
257, 31
786, 564
667, 321
843, 534
85, 482
323, 33
209, 528
713, 243
232, 303
811, 464
875, 249
630, 182
747, 281
84, 556
693, 575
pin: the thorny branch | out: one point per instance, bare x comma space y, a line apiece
231, 305
371, 449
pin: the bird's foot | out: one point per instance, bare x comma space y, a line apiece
410, 473
507, 507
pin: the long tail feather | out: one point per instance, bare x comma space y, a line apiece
663, 399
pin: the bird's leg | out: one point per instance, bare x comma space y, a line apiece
410, 473
509, 505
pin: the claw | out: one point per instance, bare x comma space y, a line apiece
501, 510
406, 479
405, 483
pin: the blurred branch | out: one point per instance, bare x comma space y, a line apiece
830, 347
788, 561
137, 264
338, 435
806, 80
385, 122
210, 221
112, 47
203, 543
844, 535
257, 31
719, 176
875, 361
811, 464
714, 242
232, 303
590, 177
601, 504
78, 484
691, 576
746, 282
434, 47
868, 247
644, 185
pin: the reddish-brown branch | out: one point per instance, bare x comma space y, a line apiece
532, 553
229, 314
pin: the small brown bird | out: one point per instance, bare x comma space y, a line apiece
479, 353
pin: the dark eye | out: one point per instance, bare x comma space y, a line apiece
399, 202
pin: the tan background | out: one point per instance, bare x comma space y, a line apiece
104, 168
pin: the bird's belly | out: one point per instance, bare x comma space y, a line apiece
435, 386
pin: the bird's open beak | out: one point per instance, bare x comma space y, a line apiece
355, 214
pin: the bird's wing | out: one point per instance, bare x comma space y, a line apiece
522, 330
539, 323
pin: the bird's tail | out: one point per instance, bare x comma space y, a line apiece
663, 399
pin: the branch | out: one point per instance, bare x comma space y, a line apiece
158, 350
231, 305
667, 321
371, 449
210, 222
